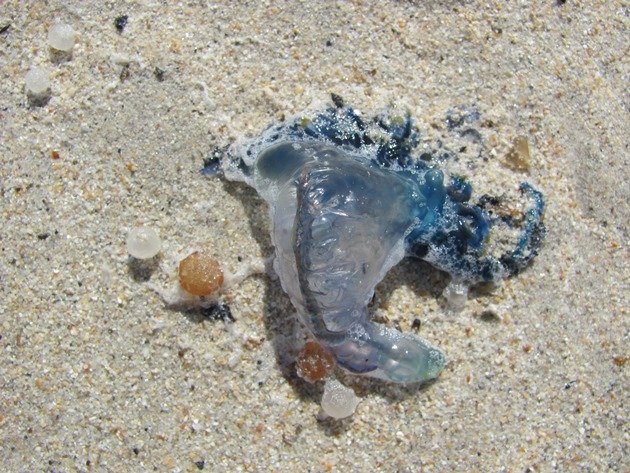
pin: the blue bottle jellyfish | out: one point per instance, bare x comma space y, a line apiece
348, 200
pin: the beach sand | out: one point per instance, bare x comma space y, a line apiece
99, 374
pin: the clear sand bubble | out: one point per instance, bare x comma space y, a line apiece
456, 294
143, 243
200, 274
37, 82
338, 401
61, 37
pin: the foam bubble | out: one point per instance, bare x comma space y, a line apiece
143, 243
37, 82
61, 37
338, 401
456, 295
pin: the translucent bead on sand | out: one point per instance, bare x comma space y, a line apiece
338, 401
143, 243
61, 37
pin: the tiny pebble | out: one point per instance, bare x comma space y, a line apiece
143, 243
220, 312
120, 22
37, 82
338, 401
61, 37
518, 157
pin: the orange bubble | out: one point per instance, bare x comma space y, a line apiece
314, 362
200, 274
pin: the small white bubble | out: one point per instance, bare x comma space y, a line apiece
37, 82
143, 243
456, 295
61, 37
338, 401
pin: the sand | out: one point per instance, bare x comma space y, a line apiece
99, 374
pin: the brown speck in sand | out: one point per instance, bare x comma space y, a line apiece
517, 158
